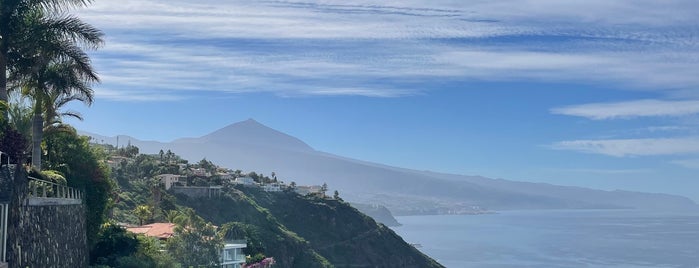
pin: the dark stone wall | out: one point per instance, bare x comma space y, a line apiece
45, 235
51, 236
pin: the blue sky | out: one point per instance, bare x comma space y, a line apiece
600, 94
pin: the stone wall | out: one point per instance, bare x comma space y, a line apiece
44, 234
50, 236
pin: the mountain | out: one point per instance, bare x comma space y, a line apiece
251, 146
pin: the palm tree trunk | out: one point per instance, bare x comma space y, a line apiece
3, 79
37, 136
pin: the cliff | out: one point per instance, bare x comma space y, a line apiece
310, 232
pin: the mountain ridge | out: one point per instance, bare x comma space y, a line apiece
252, 146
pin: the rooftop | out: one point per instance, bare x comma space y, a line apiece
159, 230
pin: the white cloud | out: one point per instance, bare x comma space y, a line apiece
341, 47
630, 109
633, 147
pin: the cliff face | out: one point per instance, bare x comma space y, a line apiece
262, 230
379, 213
311, 232
340, 233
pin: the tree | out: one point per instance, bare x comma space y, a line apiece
85, 168
324, 188
47, 58
143, 213
169, 155
196, 242
15, 18
161, 153
113, 242
336, 195
53, 119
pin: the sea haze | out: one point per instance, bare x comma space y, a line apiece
557, 238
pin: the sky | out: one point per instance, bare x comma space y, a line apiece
596, 93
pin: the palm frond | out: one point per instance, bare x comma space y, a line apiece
76, 30
59, 5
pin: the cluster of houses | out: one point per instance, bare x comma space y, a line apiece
179, 184
231, 256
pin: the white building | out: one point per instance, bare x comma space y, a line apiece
245, 181
225, 176
274, 187
200, 172
306, 190
232, 254
169, 179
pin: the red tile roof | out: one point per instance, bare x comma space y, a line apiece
158, 230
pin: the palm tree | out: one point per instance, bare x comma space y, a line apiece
20, 114
14, 27
54, 64
53, 86
53, 116
143, 213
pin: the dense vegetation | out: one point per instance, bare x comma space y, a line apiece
310, 231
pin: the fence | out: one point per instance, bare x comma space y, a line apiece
46, 189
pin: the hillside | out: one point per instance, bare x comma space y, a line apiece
250, 145
297, 231
333, 229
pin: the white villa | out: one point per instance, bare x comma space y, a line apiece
225, 176
306, 190
274, 187
200, 172
232, 254
169, 179
245, 181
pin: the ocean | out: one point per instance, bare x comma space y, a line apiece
560, 238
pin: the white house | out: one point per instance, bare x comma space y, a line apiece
245, 181
225, 176
232, 254
169, 179
200, 172
306, 190
274, 187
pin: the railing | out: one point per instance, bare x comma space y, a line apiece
46, 189
3, 232
237, 241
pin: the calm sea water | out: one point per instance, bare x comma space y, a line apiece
590, 238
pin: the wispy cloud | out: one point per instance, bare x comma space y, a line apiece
293, 48
633, 147
687, 163
630, 109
